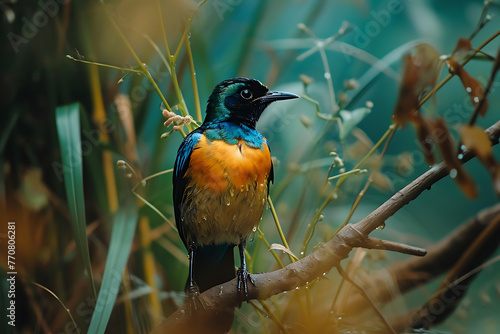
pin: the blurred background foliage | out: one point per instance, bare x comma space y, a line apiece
123, 121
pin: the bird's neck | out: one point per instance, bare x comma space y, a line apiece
231, 132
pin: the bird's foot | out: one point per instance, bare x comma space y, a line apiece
243, 275
194, 298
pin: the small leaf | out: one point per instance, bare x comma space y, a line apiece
480, 107
408, 98
471, 85
443, 139
475, 139
462, 49
284, 249
426, 58
465, 182
420, 70
424, 138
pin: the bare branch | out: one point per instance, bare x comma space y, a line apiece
374, 243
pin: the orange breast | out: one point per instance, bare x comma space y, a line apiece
218, 165
226, 192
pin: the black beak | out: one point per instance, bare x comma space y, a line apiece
275, 96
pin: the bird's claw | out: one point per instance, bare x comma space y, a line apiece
243, 276
194, 298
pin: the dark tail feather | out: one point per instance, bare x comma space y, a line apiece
213, 265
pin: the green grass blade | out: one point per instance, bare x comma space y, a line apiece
125, 222
68, 130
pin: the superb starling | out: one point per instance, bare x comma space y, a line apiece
221, 182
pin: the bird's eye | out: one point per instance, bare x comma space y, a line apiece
246, 94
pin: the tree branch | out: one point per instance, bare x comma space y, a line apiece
374, 243
458, 279
414, 272
415, 188
223, 298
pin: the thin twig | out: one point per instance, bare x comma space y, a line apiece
332, 195
362, 193
164, 34
60, 302
278, 226
124, 69
193, 80
479, 106
145, 201
374, 243
368, 298
139, 62
354, 171
272, 316
483, 19
262, 237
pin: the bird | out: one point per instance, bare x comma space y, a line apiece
221, 182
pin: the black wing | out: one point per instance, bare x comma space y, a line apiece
271, 173
179, 180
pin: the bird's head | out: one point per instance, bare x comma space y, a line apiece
241, 100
